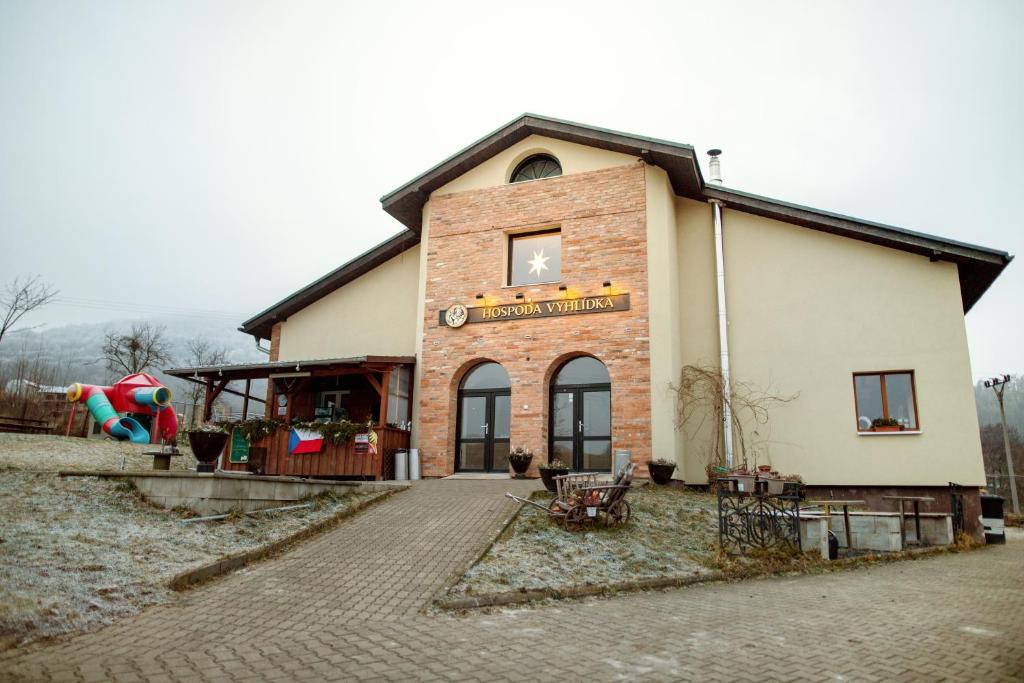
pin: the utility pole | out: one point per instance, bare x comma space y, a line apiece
998, 385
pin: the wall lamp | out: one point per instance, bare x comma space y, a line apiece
562, 288
519, 295
606, 283
479, 296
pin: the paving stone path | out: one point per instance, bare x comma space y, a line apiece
347, 606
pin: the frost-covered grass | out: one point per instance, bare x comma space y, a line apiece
50, 453
672, 533
81, 551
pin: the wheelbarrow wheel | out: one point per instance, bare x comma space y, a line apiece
618, 513
575, 518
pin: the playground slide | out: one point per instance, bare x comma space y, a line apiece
138, 393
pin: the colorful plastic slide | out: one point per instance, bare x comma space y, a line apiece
138, 393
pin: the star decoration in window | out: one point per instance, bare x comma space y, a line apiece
539, 262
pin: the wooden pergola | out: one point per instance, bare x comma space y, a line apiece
293, 376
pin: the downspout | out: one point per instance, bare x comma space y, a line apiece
723, 315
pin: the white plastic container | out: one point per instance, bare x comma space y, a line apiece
414, 464
401, 465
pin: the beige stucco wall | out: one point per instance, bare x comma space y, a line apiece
573, 158
698, 331
665, 314
808, 309
373, 315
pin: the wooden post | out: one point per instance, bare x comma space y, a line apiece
385, 388
245, 401
208, 400
74, 407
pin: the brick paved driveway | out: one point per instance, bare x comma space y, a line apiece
345, 606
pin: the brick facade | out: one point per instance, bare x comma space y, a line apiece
602, 216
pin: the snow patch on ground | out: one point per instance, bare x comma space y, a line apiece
80, 551
672, 533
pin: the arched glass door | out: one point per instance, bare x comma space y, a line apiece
485, 414
580, 433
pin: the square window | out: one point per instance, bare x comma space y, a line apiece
885, 401
535, 257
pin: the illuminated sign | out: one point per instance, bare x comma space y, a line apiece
458, 314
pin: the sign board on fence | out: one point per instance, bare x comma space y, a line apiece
239, 447
366, 444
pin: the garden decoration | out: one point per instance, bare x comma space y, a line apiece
661, 470
207, 444
581, 500
138, 393
550, 470
520, 459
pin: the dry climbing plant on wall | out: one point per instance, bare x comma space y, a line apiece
700, 405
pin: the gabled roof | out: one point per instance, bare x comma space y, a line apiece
978, 266
678, 160
261, 324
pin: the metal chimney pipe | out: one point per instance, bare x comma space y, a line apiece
715, 166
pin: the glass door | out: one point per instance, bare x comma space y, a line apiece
484, 420
581, 428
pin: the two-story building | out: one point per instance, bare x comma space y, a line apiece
553, 280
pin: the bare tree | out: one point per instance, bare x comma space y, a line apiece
700, 404
201, 353
138, 350
23, 295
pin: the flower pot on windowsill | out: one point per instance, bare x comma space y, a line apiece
889, 428
661, 472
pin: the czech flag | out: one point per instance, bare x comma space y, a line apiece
304, 441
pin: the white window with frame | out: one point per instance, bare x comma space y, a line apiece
399, 394
535, 258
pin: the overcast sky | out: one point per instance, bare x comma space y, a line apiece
212, 157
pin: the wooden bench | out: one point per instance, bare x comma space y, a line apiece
22, 425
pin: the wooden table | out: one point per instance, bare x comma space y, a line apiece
917, 500
161, 460
828, 504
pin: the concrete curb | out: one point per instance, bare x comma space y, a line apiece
662, 582
457, 576
193, 577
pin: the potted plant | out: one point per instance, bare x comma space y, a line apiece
207, 442
744, 479
550, 470
520, 459
661, 470
885, 424
793, 485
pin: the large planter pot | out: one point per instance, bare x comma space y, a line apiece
207, 447
548, 477
520, 465
661, 474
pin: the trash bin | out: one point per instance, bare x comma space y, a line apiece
414, 464
622, 458
401, 465
992, 518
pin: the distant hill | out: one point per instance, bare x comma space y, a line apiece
72, 353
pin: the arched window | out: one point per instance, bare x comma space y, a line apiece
486, 376
536, 167
580, 433
485, 416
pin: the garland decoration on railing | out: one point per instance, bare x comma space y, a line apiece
335, 433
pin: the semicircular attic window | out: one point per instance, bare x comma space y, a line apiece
536, 167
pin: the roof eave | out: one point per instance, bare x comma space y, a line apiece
406, 203
261, 324
978, 266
